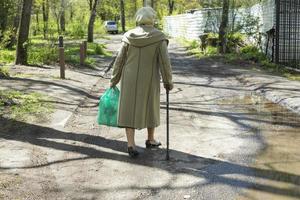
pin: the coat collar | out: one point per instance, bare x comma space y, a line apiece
143, 35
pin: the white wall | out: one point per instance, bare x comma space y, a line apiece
191, 26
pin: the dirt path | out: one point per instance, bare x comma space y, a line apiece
223, 140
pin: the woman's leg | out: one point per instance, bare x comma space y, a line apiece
151, 142
151, 134
130, 137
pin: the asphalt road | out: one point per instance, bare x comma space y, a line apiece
217, 128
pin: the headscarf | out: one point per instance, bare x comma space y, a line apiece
145, 16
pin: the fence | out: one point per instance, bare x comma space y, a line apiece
279, 29
288, 32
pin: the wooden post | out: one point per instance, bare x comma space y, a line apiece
62, 62
61, 41
85, 48
61, 52
82, 55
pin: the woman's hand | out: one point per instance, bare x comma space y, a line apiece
111, 85
168, 86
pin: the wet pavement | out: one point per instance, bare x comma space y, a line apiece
277, 165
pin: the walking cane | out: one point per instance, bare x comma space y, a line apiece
167, 156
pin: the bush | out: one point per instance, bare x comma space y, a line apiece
212, 39
235, 42
99, 28
46, 54
96, 49
193, 44
252, 53
7, 56
77, 30
8, 38
211, 51
268, 64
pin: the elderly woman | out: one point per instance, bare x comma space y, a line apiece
140, 61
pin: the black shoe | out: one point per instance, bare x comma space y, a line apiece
152, 144
133, 153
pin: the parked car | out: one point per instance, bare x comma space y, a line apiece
111, 27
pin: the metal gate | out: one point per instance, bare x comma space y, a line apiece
287, 36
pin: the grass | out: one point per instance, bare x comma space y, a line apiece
4, 71
42, 51
24, 106
42, 54
193, 48
249, 55
7, 56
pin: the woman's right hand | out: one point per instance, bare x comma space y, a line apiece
168, 86
111, 85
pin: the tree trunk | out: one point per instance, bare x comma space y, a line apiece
145, 3
62, 16
135, 6
171, 6
16, 25
152, 4
3, 17
37, 22
71, 12
21, 52
91, 5
45, 8
224, 27
234, 13
122, 15
91, 22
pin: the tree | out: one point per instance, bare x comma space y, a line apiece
122, 15
92, 19
62, 16
171, 6
223, 27
152, 3
45, 8
21, 52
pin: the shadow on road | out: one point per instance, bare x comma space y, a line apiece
213, 171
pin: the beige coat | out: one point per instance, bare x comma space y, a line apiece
141, 60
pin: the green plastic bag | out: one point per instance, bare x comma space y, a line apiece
108, 107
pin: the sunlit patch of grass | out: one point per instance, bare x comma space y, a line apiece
4, 71
7, 56
294, 77
39, 55
97, 49
25, 106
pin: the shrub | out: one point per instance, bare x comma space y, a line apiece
96, 49
194, 44
235, 42
252, 53
42, 54
7, 56
212, 39
99, 28
8, 38
77, 30
211, 51
268, 64
99, 50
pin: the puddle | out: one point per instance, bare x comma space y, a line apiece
277, 167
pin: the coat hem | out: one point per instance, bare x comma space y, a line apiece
136, 127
